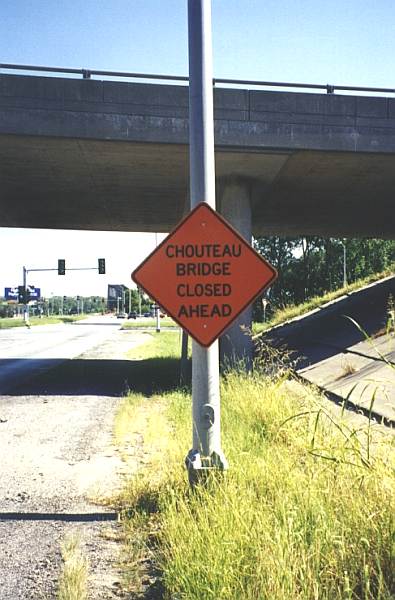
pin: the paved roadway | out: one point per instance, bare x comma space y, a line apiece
26, 352
57, 456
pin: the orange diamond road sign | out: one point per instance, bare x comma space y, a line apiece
204, 274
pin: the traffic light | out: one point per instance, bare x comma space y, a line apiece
23, 295
102, 266
61, 266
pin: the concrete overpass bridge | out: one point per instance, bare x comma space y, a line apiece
105, 155
110, 155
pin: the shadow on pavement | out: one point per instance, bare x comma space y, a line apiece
93, 377
65, 517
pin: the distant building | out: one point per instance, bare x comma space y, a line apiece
114, 292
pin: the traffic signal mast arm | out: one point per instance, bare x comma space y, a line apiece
62, 267
68, 269
23, 293
101, 267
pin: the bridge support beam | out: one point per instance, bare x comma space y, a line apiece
236, 345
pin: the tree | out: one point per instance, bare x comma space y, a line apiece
280, 253
310, 266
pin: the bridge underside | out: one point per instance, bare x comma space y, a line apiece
107, 155
70, 183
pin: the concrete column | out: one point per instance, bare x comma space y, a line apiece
235, 205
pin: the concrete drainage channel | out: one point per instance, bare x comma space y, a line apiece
348, 405
364, 382
346, 351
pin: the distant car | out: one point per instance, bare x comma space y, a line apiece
132, 315
121, 315
147, 314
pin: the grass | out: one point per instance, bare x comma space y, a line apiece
73, 578
156, 364
160, 344
306, 510
148, 323
7, 323
164, 344
292, 311
347, 368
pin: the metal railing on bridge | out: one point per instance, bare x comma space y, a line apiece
88, 73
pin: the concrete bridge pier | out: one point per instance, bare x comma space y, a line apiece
234, 204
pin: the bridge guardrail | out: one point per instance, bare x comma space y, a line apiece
88, 73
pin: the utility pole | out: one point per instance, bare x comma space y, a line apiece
206, 453
344, 263
264, 305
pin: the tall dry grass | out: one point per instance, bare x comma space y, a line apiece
74, 575
306, 510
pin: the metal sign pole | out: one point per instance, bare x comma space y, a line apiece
157, 314
206, 452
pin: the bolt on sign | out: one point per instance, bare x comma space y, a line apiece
204, 274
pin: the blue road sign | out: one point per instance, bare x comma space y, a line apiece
11, 293
34, 293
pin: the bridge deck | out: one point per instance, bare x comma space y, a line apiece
87, 154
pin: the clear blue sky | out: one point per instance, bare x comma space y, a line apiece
349, 42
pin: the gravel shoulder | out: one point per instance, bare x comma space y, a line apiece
57, 462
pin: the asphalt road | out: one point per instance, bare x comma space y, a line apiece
25, 352
56, 453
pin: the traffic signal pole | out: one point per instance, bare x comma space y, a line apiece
25, 303
206, 453
61, 269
